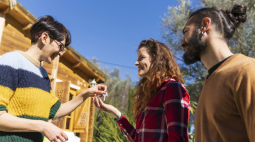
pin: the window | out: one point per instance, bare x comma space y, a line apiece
69, 119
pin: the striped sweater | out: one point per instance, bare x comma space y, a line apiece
25, 92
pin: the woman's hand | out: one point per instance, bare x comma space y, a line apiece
96, 90
106, 108
53, 133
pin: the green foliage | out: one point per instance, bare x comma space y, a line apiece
172, 25
191, 137
108, 130
175, 20
119, 95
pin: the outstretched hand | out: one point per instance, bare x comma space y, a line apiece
101, 105
96, 90
106, 108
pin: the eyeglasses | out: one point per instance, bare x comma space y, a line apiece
61, 45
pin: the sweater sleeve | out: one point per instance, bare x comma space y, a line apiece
55, 106
9, 65
126, 128
176, 103
244, 95
54, 109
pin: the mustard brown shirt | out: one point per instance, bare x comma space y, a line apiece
226, 107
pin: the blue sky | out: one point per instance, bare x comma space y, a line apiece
109, 30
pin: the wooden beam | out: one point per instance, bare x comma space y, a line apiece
91, 122
7, 5
4, 6
85, 64
5, 2
2, 24
54, 73
28, 26
22, 15
12, 4
76, 65
97, 79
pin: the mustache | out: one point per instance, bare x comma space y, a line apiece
185, 44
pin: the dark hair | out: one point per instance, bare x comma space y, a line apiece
225, 22
163, 66
49, 25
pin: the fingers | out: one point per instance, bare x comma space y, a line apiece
102, 87
53, 133
60, 139
100, 102
64, 136
95, 101
99, 92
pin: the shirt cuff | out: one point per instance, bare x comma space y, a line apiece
116, 120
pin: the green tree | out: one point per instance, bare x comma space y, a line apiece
172, 25
119, 95
176, 18
243, 40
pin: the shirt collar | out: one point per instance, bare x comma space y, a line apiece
31, 59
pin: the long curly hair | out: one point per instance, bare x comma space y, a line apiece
163, 66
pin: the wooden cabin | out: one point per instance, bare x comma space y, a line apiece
69, 74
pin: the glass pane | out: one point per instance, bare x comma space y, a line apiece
70, 97
77, 134
68, 123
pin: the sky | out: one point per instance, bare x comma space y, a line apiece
109, 30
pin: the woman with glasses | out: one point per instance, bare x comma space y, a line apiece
26, 99
161, 103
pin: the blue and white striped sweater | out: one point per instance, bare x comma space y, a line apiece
25, 92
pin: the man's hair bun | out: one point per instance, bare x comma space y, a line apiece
237, 14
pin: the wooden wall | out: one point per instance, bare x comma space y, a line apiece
14, 38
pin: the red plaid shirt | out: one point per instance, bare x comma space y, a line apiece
165, 119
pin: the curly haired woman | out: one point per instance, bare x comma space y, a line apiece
161, 103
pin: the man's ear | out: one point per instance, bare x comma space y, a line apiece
43, 38
206, 24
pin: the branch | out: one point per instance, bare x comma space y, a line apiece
242, 45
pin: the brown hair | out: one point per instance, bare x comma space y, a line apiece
225, 22
163, 66
51, 26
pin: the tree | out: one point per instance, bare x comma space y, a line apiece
120, 93
174, 21
243, 40
173, 24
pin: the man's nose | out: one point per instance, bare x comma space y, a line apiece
183, 43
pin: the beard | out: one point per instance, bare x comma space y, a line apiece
194, 48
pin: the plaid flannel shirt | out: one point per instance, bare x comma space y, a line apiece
165, 119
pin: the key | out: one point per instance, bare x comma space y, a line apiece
104, 95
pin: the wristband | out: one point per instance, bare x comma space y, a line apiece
116, 120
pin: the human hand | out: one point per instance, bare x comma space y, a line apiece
96, 90
53, 133
106, 108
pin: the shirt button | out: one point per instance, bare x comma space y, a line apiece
120, 124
